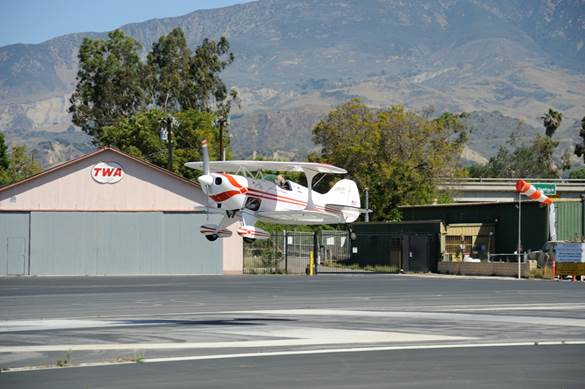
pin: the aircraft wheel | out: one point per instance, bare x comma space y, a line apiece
249, 240
211, 238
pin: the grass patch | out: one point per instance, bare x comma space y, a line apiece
66, 361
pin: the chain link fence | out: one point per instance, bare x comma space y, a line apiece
289, 252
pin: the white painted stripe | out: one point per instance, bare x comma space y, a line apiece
306, 352
361, 349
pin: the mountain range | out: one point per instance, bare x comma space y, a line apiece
504, 61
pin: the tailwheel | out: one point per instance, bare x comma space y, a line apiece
352, 235
249, 240
212, 237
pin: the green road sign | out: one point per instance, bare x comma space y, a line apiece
547, 188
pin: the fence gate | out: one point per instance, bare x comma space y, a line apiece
288, 252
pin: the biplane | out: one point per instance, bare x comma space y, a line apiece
242, 194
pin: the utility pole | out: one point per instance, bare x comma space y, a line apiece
221, 140
221, 123
170, 145
166, 135
367, 215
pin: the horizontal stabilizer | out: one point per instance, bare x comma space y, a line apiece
349, 213
341, 208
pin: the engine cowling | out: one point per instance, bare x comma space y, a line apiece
228, 190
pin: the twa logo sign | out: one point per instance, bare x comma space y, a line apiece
107, 172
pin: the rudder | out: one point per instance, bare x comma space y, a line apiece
344, 192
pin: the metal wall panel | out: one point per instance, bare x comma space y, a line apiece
503, 215
569, 221
109, 243
386, 244
14, 243
185, 248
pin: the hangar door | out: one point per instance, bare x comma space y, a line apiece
111, 243
14, 243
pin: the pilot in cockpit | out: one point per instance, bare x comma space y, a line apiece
282, 182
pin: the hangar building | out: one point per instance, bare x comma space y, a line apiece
108, 213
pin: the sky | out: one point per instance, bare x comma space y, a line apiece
35, 21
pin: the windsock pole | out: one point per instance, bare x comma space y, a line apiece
525, 188
519, 247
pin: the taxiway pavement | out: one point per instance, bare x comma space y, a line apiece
328, 331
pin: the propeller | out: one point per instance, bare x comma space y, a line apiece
206, 179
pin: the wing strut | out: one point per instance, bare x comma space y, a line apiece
310, 174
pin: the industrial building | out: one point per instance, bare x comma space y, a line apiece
108, 213
431, 233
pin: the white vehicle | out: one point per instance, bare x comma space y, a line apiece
243, 199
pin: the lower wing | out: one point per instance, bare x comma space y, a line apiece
301, 217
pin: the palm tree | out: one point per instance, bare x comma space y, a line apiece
551, 120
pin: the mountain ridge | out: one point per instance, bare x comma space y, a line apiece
300, 57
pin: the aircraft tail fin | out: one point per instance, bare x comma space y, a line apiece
344, 192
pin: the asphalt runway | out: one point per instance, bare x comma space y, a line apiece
337, 331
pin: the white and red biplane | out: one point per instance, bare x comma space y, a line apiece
243, 199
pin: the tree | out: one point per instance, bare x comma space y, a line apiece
109, 83
209, 60
139, 136
180, 81
3, 152
534, 160
580, 147
114, 85
168, 81
551, 121
21, 165
397, 154
4, 160
578, 174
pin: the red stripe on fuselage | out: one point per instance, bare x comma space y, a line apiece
223, 196
235, 183
276, 196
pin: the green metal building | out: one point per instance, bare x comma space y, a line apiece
430, 233
409, 246
569, 220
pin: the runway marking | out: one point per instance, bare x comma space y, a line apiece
295, 336
65, 324
360, 349
550, 321
305, 352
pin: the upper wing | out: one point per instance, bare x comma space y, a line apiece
234, 166
300, 217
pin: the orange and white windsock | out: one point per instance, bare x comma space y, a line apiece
531, 192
